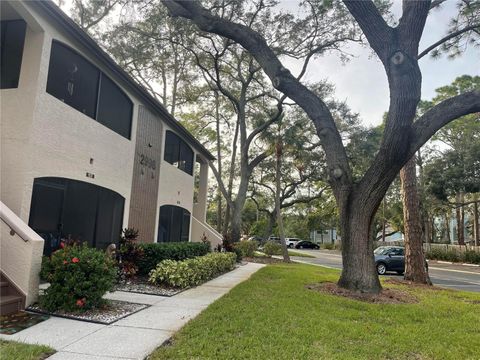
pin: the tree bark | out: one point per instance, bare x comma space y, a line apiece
414, 257
278, 189
460, 219
447, 226
359, 272
476, 230
219, 161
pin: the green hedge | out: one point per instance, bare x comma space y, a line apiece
79, 276
272, 248
157, 252
247, 248
469, 256
191, 272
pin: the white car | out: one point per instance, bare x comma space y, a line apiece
291, 242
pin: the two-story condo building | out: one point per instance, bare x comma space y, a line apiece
85, 150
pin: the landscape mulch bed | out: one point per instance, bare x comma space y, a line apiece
113, 311
141, 285
386, 296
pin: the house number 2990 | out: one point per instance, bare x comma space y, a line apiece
148, 162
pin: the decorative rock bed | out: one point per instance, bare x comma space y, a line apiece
113, 311
142, 286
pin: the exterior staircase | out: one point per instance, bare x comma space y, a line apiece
12, 299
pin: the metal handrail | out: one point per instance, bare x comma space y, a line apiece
12, 221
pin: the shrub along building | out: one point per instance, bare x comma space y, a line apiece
85, 150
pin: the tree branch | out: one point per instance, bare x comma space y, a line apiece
440, 115
446, 38
257, 160
220, 184
373, 25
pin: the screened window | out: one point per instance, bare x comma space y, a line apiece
178, 153
114, 107
73, 80
174, 224
78, 83
72, 209
11, 51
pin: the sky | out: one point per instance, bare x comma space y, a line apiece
362, 81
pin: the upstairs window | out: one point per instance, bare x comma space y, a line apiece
78, 83
114, 108
73, 80
178, 153
11, 52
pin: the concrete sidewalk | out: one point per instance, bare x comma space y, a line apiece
137, 335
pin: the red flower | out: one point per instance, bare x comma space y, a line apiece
80, 302
65, 262
75, 260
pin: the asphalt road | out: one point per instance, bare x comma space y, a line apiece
460, 277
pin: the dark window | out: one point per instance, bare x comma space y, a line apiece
64, 208
178, 153
73, 79
174, 224
11, 51
81, 85
114, 108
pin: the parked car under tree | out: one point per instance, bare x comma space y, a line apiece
390, 258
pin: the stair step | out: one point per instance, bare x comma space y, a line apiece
10, 299
10, 304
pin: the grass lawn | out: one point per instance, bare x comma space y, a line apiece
11, 350
274, 316
299, 254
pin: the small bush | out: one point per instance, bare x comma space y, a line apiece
79, 276
469, 256
329, 246
157, 252
130, 253
191, 272
247, 248
272, 248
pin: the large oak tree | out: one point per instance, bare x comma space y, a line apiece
397, 47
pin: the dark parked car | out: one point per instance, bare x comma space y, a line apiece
390, 258
305, 244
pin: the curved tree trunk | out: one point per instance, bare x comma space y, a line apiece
359, 272
414, 257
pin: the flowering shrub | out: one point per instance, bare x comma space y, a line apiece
192, 272
79, 276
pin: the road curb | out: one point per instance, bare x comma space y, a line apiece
453, 263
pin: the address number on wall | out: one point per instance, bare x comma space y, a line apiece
148, 162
